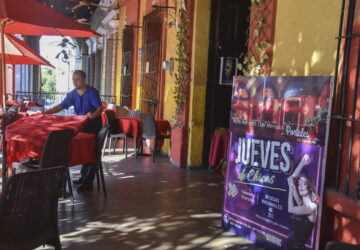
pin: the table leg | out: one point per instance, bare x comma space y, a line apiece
4, 164
136, 148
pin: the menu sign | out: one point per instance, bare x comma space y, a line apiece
276, 158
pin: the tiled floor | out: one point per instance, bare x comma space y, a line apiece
149, 206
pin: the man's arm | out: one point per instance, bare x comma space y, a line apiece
96, 113
54, 110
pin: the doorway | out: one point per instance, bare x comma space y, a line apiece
229, 26
150, 75
127, 68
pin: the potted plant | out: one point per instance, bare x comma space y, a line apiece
179, 132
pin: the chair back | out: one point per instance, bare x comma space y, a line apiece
148, 126
112, 121
28, 207
24, 104
100, 140
9, 96
122, 111
56, 149
11, 115
134, 113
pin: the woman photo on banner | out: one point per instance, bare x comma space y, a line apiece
302, 205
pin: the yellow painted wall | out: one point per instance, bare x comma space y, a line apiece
117, 70
140, 42
198, 76
199, 63
305, 34
198, 81
122, 18
171, 44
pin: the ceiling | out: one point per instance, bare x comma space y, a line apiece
81, 13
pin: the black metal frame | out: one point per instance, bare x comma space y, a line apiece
339, 117
151, 98
38, 95
128, 61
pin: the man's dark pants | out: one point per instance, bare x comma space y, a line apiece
88, 170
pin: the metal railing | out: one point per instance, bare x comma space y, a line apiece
54, 98
343, 154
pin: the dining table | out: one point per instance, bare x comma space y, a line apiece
131, 126
25, 138
218, 148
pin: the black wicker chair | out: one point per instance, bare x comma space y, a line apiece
55, 153
134, 113
333, 245
99, 146
29, 209
9, 117
114, 131
148, 131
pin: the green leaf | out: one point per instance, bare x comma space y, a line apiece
256, 32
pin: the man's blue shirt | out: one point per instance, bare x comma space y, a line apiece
88, 102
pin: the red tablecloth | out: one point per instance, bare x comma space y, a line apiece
26, 137
218, 148
132, 126
82, 149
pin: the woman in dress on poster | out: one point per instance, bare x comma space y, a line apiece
302, 205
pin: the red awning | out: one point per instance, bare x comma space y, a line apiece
30, 17
18, 52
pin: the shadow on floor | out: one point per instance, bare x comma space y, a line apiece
149, 206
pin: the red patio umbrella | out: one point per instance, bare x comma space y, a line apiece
18, 52
30, 17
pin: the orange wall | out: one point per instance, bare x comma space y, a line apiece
132, 19
132, 7
354, 166
342, 221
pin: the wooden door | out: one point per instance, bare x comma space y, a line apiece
228, 35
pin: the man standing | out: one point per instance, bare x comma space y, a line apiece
86, 101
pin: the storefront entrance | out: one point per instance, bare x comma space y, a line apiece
228, 35
150, 73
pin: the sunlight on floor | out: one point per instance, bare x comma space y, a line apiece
157, 226
150, 206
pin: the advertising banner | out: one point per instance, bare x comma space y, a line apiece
276, 160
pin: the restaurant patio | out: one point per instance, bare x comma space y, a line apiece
166, 184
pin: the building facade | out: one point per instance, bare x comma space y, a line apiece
139, 61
